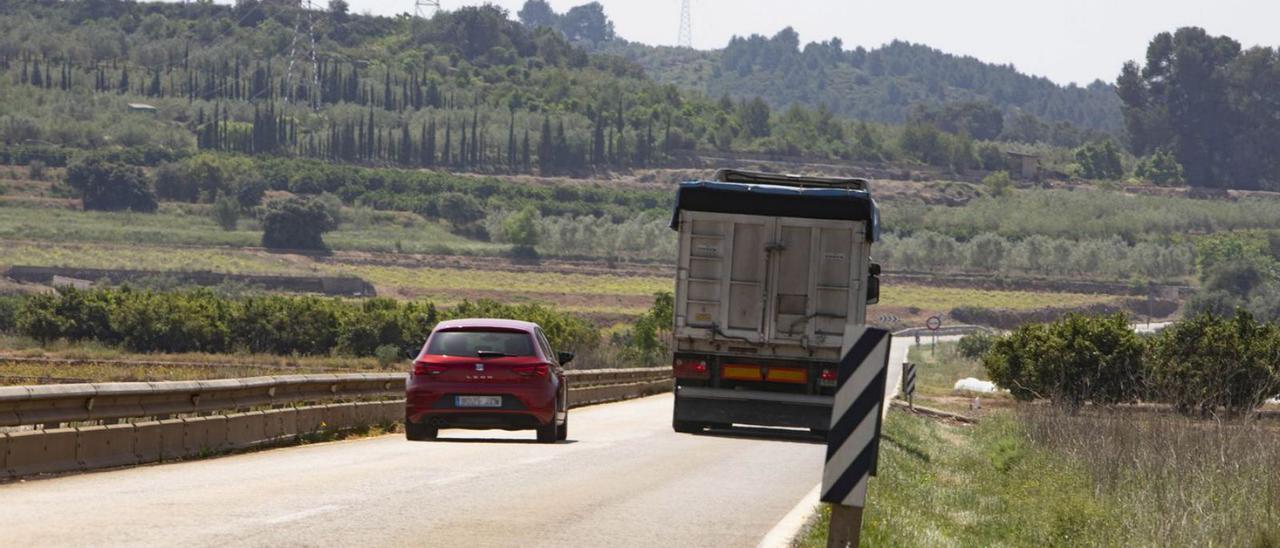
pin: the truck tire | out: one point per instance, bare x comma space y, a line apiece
686, 427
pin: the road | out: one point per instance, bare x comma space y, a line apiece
625, 479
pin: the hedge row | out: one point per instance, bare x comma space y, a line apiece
200, 321
1200, 365
56, 156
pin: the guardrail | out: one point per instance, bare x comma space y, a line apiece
944, 331
72, 427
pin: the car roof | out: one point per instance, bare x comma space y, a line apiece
473, 323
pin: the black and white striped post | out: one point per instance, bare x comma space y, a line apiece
909, 383
853, 443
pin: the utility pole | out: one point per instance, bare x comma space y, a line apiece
425, 8
685, 39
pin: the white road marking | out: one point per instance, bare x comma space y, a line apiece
784, 534
303, 514
452, 479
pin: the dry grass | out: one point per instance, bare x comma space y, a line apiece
1176, 481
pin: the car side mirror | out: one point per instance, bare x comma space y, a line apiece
564, 357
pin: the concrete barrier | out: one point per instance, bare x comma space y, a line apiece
106, 446
220, 415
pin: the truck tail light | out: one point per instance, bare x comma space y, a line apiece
539, 370
686, 368
828, 377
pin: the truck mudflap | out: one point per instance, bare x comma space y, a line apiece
716, 406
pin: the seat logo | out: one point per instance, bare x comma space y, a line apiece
479, 367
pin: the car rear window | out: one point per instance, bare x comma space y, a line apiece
471, 343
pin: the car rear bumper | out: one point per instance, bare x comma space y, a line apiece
721, 406
523, 406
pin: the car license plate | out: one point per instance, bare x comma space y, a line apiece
479, 401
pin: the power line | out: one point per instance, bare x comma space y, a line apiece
685, 39
422, 7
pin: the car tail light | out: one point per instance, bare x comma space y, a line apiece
685, 368
427, 369
828, 377
539, 370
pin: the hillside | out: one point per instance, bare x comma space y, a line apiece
882, 84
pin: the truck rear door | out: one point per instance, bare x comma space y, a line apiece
726, 274
811, 274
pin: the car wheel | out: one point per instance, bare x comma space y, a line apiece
686, 427
420, 432
547, 434
562, 431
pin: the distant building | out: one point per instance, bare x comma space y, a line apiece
143, 107
1023, 166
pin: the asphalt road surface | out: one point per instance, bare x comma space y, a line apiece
624, 479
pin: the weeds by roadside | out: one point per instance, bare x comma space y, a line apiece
1038, 477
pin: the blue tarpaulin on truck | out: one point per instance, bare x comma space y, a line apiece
778, 201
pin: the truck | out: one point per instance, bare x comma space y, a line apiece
771, 270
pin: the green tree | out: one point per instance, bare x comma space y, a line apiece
521, 228
1100, 161
1160, 168
753, 117
226, 212
106, 185
297, 223
1207, 102
461, 210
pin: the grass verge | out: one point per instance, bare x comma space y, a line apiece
1019, 479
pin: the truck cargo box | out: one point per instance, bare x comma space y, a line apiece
768, 266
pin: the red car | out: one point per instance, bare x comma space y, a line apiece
484, 374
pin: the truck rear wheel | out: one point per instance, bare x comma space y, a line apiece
686, 427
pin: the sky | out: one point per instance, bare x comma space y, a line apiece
1065, 40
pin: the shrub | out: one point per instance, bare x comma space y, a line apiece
387, 355
9, 306
975, 346
202, 321
172, 183
1209, 362
1161, 168
1076, 359
649, 340
105, 185
37, 170
297, 223
226, 212
39, 318
1100, 161
998, 183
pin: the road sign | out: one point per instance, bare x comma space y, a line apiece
853, 442
934, 323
